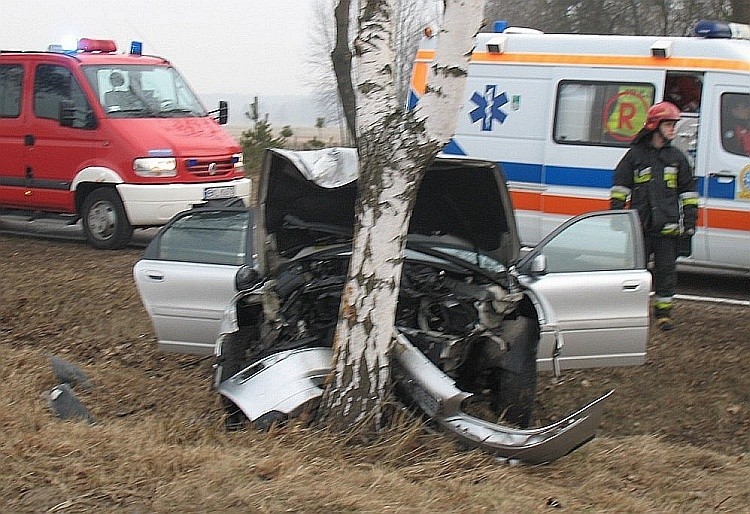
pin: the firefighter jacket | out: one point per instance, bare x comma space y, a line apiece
661, 187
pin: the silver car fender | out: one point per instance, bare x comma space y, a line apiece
283, 382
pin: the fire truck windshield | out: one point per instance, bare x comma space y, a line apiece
143, 91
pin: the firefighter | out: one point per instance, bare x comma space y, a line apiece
657, 179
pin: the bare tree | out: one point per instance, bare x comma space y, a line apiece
395, 147
331, 53
740, 11
661, 17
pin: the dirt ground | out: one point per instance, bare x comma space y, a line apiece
67, 299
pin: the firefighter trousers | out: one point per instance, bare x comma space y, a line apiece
663, 250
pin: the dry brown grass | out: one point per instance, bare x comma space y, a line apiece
158, 444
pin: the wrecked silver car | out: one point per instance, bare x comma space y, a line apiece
474, 320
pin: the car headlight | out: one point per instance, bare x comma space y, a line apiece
155, 167
238, 160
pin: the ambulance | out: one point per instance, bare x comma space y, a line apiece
115, 140
558, 111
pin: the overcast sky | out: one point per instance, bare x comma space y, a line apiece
254, 47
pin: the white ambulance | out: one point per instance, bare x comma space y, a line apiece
558, 111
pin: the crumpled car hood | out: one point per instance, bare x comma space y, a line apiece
460, 198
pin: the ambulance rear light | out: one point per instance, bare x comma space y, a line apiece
722, 30
662, 48
96, 45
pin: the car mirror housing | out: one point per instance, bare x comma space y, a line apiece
538, 265
246, 277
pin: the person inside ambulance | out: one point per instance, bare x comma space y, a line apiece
736, 123
684, 91
656, 180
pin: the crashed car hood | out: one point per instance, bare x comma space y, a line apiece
463, 199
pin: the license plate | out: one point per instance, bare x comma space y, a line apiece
218, 193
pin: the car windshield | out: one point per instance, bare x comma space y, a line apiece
143, 91
470, 259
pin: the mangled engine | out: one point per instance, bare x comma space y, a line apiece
476, 330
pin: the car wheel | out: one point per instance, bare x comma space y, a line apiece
233, 360
514, 385
104, 220
269, 420
234, 354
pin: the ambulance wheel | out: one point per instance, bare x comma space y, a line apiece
104, 220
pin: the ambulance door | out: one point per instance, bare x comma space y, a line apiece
726, 184
58, 152
504, 119
598, 111
12, 132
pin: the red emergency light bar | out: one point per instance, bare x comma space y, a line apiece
96, 45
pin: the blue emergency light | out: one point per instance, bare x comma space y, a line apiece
136, 48
721, 30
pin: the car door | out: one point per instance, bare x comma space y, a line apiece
186, 275
591, 287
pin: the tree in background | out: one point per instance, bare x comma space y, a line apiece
258, 138
395, 147
330, 59
632, 17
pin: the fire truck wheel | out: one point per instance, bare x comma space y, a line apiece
104, 220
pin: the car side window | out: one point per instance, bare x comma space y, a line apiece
11, 78
595, 243
208, 237
52, 85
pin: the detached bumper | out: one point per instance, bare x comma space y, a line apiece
438, 396
288, 381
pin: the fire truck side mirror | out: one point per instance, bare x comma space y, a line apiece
67, 113
223, 112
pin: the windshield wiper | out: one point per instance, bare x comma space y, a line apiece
427, 249
293, 222
179, 110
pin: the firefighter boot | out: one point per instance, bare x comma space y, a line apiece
663, 319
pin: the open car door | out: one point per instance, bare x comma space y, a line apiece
186, 275
603, 320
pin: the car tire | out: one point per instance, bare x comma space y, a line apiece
105, 222
514, 386
233, 360
270, 419
234, 356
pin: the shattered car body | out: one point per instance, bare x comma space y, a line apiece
473, 318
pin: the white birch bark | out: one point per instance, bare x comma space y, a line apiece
394, 150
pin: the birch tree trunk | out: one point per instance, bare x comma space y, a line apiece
395, 147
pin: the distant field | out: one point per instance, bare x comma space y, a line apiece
330, 135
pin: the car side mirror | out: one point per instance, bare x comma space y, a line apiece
245, 278
538, 265
223, 112
67, 113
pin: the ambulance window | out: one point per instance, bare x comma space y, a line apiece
735, 123
11, 78
600, 113
684, 90
52, 85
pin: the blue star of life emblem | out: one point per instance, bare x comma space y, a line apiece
488, 107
